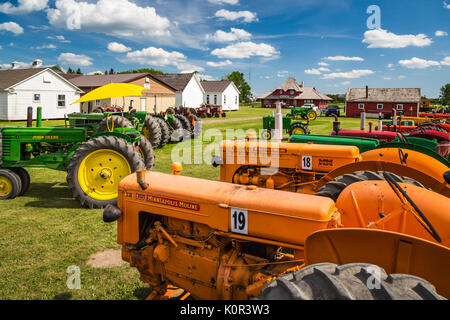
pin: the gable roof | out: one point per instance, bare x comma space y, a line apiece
8, 78
179, 81
306, 93
215, 86
384, 95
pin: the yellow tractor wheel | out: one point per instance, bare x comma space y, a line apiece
97, 167
311, 115
10, 184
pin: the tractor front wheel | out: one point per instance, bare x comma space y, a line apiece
266, 134
24, 178
147, 153
152, 131
298, 128
311, 115
97, 167
10, 184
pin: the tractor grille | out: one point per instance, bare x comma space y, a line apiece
7, 141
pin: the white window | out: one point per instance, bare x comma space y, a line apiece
207, 99
97, 103
399, 107
380, 106
61, 100
236, 100
361, 106
215, 99
147, 80
292, 91
36, 97
224, 99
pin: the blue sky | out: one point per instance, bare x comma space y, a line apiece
325, 43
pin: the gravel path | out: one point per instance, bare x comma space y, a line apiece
231, 120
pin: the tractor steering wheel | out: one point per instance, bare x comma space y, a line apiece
416, 212
402, 137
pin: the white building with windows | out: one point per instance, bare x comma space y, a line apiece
36, 87
190, 93
222, 93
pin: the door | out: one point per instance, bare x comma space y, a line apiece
143, 104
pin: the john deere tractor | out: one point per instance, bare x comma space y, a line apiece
95, 161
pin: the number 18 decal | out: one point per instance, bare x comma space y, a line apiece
306, 162
239, 220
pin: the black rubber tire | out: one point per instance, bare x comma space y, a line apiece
176, 131
299, 125
152, 131
184, 122
119, 122
334, 188
24, 179
165, 132
198, 127
16, 184
355, 281
97, 111
1, 148
147, 153
125, 148
170, 110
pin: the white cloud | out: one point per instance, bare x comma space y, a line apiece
118, 47
159, 57
348, 75
282, 74
446, 5
118, 17
440, 33
11, 27
80, 60
206, 77
324, 69
24, 6
1, 47
390, 65
346, 83
312, 71
219, 64
343, 58
242, 50
232, 2
323, 64
247, 16
401, 77
233, 35
45, 46
387, 78
94, 73
59, 38
417, 63
379, 38
446, 61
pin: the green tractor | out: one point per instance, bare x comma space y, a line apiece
306, 113
291, 126
95, 162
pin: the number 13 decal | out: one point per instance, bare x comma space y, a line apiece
239, 220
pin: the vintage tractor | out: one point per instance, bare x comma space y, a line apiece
307, 167
307, 113
95, 162
219, 240
210, 111
290, 125
189, 120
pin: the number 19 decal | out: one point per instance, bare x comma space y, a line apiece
239, 220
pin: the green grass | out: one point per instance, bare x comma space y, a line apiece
46, 231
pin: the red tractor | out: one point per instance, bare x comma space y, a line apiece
210, 111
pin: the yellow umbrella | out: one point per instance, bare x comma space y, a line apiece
112, 90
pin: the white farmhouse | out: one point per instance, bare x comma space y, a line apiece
222, 93
189, 93
36, 87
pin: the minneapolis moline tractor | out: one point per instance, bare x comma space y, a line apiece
95, 161
216, 240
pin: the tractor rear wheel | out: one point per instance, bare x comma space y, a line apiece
198, 127
311, 115
10, 184
334, 188
152, 131
147, 153
24, 178
184, 122
176, 131
298, 128
116, 122
97, 167
354, 281
165, 132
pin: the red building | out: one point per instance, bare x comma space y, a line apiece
375, 100
290, 93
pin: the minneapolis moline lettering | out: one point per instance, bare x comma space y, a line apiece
173, 203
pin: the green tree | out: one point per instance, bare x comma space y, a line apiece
145, 70
70, 71
444, 96
239, 80
111, 71
106, 72
79, 71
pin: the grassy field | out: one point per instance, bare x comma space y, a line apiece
46, 231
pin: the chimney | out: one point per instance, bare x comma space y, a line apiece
36, 63
367, 92
14, 65
303, 84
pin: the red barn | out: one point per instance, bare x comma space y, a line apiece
375, 100
290, 93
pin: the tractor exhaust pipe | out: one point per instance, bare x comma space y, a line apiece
336, 125
39, 117
29, 117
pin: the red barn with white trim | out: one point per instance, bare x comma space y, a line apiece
375, 100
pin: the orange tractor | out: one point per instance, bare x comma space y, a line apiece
218, 240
